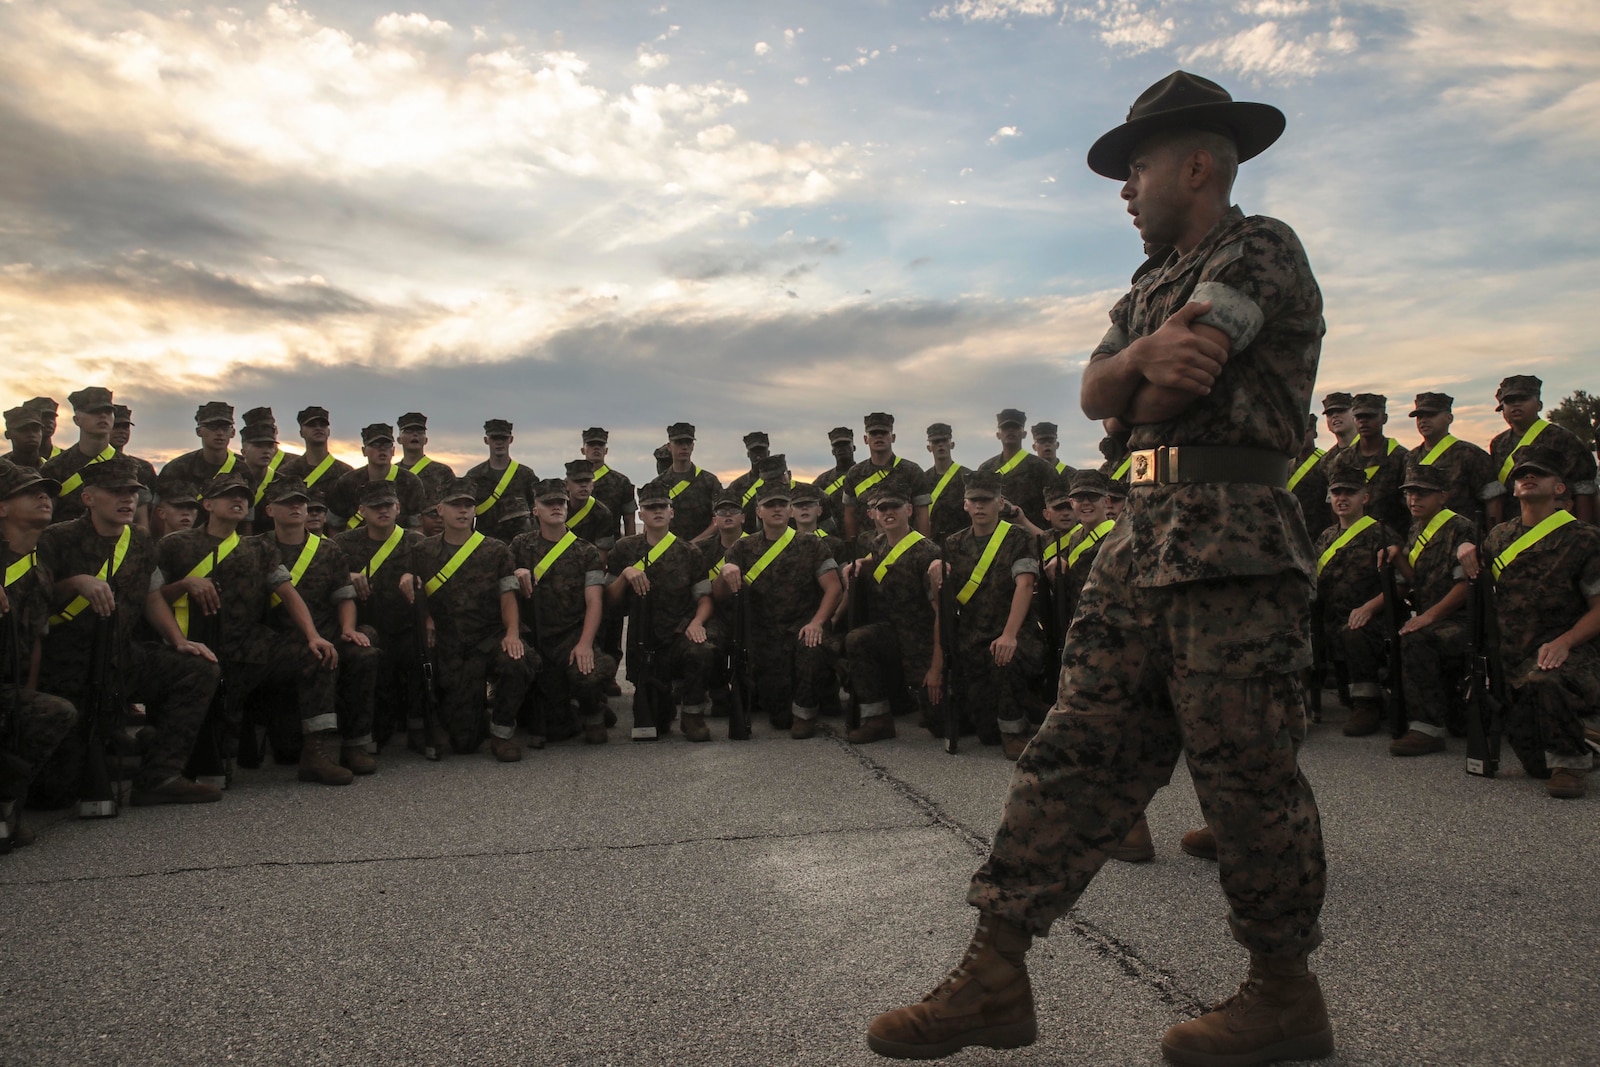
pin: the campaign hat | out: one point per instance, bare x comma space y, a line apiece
1189, 102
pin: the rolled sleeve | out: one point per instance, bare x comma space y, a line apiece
1232, 312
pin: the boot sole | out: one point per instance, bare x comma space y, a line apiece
317, 779
1010, 1035
1305, 1047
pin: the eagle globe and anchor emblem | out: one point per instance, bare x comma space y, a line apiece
1141, 466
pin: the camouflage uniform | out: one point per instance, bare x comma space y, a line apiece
1433, 658
1540, 595
677, 582
1024, 484
562, 606
19, 419
467, 633
192, 468
831, 481
1308, 481
1348, 580
590, 521
946, 515
512, 512
693, 493
436, 476
68, 466
1578, 461
1385, 470
744, 487
344, 499
175, 688
904, 479
894, 650
386, 612
1468, 470
611, 487
789, 676
1188, 642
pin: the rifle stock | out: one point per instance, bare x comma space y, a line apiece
949, 635
652, 700
1395, 614
858, 612
427, 691
97, 797
738, 674
206, 763
1482, 692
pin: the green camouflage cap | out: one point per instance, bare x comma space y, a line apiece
1432, 403
43, 404
18, 417
258, 432
91, 398
580, 470
1347, 472
290, 489
680, 430
841, 433
940, 431
1337, 402
259, 415
1538, 458
224, 484
1044, 429
180, 494
1057, 491
213, 411
806, 493
547, 489
492, 427
881, 495
1010, 417
756, 437
412, 420
305, 415
725, 498
16, 478
774, 466
656, 492
460, 489
1424, 476
596, 435
774, 490
1088, 482
878, 420
982, 484
379, 491
1517, 385
1369, 404
377, 431
1119, 489
121, 415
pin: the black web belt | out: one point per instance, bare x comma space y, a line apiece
1171, 464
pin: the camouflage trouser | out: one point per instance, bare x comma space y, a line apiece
687, 664
560, 682
274, 659
1360, 654
1434, 660
1548, 708
881, 660
1206, 669
789, 677
461, 674
995, 698
36, 724
356, 688
176, 691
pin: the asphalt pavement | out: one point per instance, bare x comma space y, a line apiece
756, 903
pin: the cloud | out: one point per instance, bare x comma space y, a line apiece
1002, 133
994, 10
762, 48
412, 25
1266, 51
725, 259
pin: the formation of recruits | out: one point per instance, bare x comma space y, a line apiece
308, 588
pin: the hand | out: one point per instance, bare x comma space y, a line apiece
696, 633
511, 645
5, 602
1003, 649
933, 682
582, 657
195, 648
1417, 622
525, 580
1175, 357
357, 638
1471, 566
637, 580
854, 568
363, 587
1360, 617
326, 654
936, 571
1553, 654
409, 584
202, 594
811, 634
730, 574
1008, 510
1053, 565
431, 633
98, 593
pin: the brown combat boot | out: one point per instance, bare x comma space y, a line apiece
872, 728
175, 790
800, 729
1201, 844
1565, 783
694, 726
594, 733
316, 761
1137, 847
357, 759
1365, 715
1013, 745
505, 749
1415, 743
1277, 1014
987, 1000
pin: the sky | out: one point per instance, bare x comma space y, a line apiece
750, 216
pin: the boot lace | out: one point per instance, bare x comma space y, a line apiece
947, 986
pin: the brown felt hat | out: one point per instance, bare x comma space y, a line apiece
1186, 101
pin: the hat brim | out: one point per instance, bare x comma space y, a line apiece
1421, 487
458, 498
1425, 411
1516, 472
48, 485
1358, 486
1254, 127
286, 497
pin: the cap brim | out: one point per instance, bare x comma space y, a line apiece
48, 485
1420, 487
1254, 128
285, 498
1516, 472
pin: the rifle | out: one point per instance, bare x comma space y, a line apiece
949, 638
857, 613
427, 693
207, 765
1319, 661
1395, 614
1061, 605
652, 700
1045, 594
739, 672
97, 797
10, 722
1483, 695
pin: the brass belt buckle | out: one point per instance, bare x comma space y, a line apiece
1144, 467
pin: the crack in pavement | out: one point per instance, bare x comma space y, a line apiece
1163, 983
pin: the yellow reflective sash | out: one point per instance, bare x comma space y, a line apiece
322, 468
1305, 468
421, 463
874, 478
894, 555
1011, 464
180, 607
384, 551
298, 571
568, 539
833, 486
272, 472
1343, 539
1393, 444
55, 450
981, 571
1539, 426
1556, 520
601, 471
500, 489
118, 554
76, 481
655, 553
768, 556
820, 533
1053, 549
1122, 469
750, 493
1438, 450
454, 563
1444, 516
672, 494
356, 519
944, 481
18, 570
1090, 539
227, 464
1061, 466
583, 513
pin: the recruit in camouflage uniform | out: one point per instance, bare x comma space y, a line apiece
994, 566
1022, 474
1468, 471
1350, 592
212, 570
1518, 400
757, 448
121, 434
320, 573
213, 425
792, 586
1089, 493
1308, 481
882, 467
692, 489
472, 604
946, 482
317, 467
48, 411
1383, 460
727, 528
102, 563
1185, 642
1432, 643
1046, 442
25, 431
842, 443
344, 497
92, 413
412, 428
611, 487
587, 516
894, 651
672, 572
265, 464
38, 722
503, 486
1545, 566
